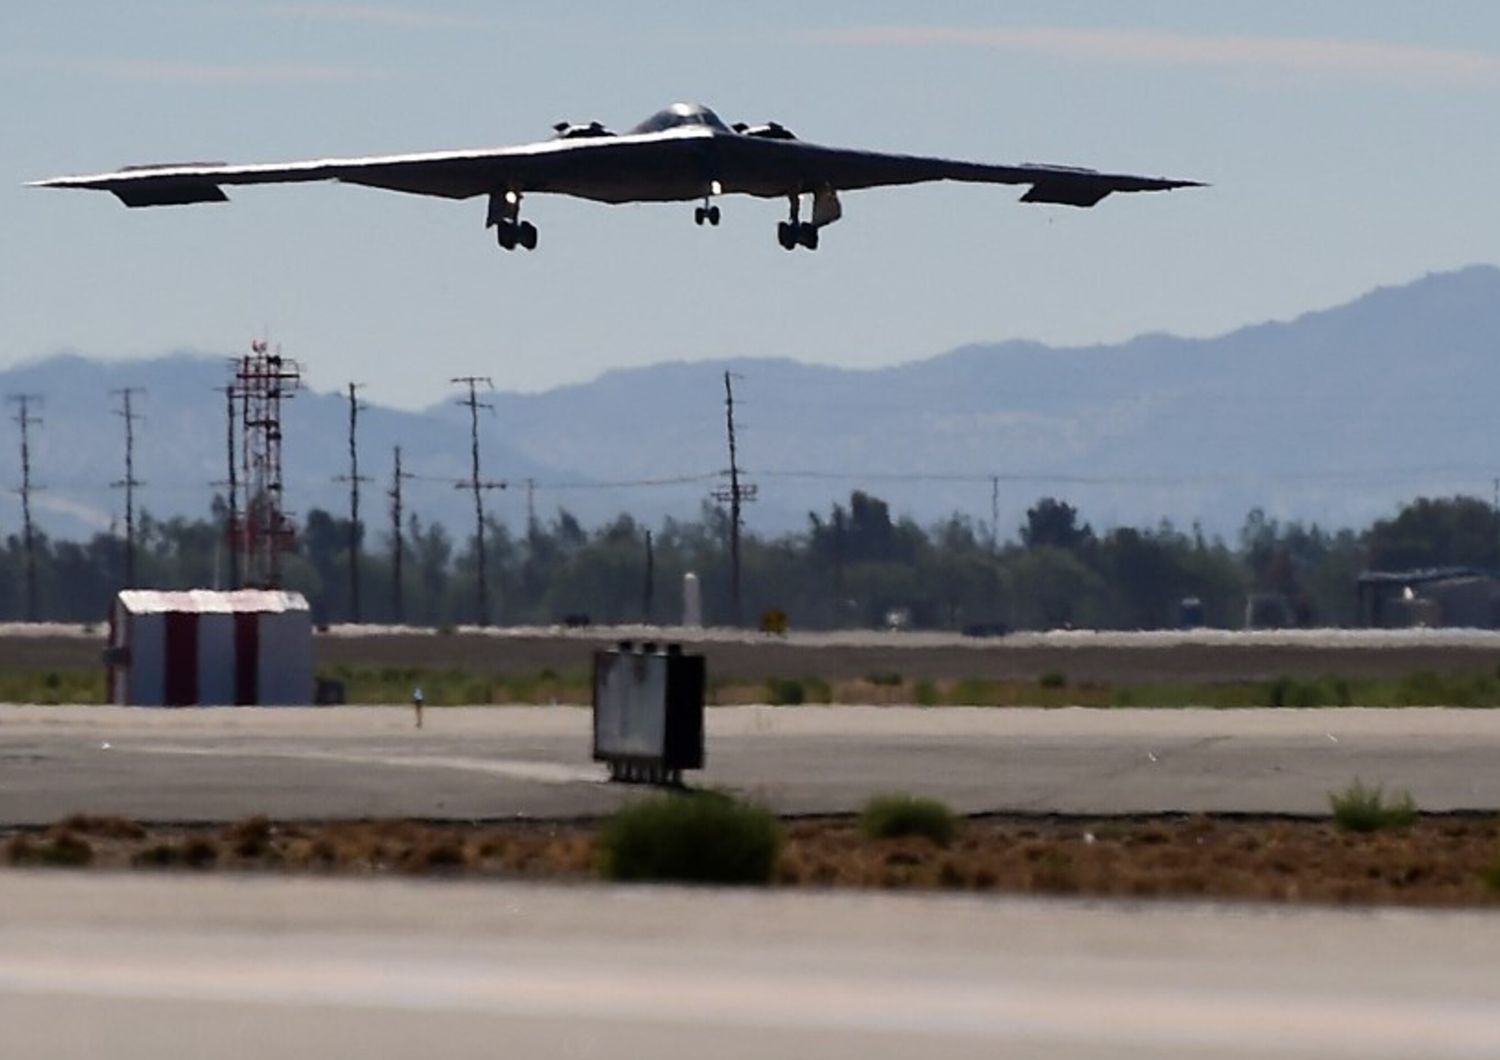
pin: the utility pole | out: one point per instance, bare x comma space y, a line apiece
354, 479
530, 507
472, 402
129, 482
232, 483
735, 494
28, 536
398, 542
994, 512
648, 591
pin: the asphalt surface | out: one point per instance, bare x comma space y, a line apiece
140, 966
492, 762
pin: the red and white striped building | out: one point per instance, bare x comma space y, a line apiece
204, 647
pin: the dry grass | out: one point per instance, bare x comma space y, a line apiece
1438, 860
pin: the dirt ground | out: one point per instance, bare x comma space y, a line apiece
1118, 658
1441, 860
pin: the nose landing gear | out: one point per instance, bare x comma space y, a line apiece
706, 215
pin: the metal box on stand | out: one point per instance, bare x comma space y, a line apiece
648, 712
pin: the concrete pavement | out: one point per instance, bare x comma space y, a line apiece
491, 762
144, 966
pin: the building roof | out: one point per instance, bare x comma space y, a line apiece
210, 601
1427, 574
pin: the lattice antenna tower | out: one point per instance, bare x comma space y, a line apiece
477, 486
262, 381
26, 420
127, 413
736, 494
354, 478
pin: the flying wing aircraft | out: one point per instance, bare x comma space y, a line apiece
682, 154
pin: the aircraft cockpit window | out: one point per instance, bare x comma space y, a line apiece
679, 115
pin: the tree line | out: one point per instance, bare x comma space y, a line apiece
853, 566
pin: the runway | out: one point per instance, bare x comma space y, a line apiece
140, 966
493, 762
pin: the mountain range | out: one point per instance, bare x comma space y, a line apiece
1335, 416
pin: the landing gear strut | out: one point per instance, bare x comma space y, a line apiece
504, 218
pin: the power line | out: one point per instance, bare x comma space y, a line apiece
129, 482
28, 535
473, 404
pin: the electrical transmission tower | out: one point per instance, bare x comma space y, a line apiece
398, 542
735, 494
473, 404
129, 482
354, 479
28, 536
262, 381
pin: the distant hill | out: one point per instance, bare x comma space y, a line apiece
1334, 416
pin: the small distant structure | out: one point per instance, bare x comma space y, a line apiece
692, 601
204, 647
1466, 597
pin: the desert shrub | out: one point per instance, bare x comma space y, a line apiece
888, 679
1359, 808
702, 837
104, 827
1490, 875
63, 850
1053, 679
785, 691
250, 838
891, 816
925, 693
818, 690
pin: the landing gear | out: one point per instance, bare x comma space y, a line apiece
706, 215
504, 218
795, 232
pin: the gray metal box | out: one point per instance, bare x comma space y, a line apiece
648, 711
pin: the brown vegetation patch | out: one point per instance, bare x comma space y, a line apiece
1438, 860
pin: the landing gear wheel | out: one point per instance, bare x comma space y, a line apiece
699, 216
526, 235
713, 216
807, 235
786, 235
505, 235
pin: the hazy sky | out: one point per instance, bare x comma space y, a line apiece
1350, 143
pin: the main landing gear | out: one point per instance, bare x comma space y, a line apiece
795, 232
505, 218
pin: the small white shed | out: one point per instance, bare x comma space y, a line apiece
203, 647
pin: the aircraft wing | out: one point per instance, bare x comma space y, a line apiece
548, 165
811, 166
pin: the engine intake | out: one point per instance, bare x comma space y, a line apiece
770, 130
569, 131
